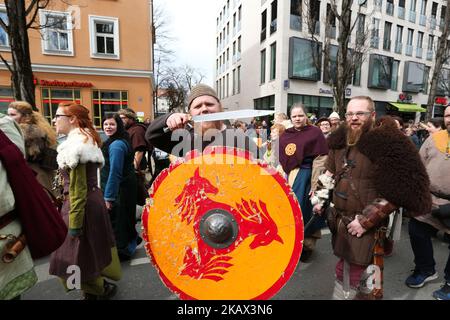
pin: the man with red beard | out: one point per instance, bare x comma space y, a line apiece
376, 170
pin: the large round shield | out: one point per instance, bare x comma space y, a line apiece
220, 225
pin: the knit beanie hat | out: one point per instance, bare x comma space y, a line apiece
334, 115
128, 112
201, 90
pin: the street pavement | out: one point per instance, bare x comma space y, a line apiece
311, 281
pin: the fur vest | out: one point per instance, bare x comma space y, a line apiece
35, 140
400, 176
78, 148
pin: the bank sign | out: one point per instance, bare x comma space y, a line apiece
348, 91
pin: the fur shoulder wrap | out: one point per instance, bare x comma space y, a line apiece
78, 148
400, 175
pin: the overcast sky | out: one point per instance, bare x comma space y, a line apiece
192, 23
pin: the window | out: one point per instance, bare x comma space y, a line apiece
398, 43
314, 15
238, 80
395, 66
104, 33
443, 83
360, 29
52, 97
239, 49
303, 64
331, 23
273, 20
4, 41
380, 72
227, 86
106, 102
296, 15
263, 25
265, 103
234, 82
423, 7
413, 77
387, 36
6, 97
425, 79
57, 33
375, 38
357, 72
321, 106
434, 8
330, 69
273, 60
263, 66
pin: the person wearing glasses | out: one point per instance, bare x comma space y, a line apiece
90, 241
370, 171
324, 124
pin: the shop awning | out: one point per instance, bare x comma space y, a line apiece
408, 107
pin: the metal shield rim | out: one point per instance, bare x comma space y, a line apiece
298, 218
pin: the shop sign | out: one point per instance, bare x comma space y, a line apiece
404, 98
348, 91
57, 83
441, 101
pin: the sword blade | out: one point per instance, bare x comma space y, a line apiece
236, 114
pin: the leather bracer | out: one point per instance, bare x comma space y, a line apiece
374, 213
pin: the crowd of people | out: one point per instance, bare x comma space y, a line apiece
349, 175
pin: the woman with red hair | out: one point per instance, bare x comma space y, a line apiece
90, 242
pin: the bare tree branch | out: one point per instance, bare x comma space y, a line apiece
6, 63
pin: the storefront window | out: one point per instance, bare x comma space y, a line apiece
302, 63
52, 97
6, 97
265, 103
105, 102
321, 106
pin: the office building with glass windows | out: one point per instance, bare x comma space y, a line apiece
87, 52
265, 54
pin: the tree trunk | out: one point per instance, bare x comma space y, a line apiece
440, 57
22, 78
343, 63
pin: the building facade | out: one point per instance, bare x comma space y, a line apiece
88, 52
264, 54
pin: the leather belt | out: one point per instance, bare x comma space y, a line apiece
8, 218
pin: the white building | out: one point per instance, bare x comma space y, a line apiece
264, 61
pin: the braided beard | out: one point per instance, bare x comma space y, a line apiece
353, 135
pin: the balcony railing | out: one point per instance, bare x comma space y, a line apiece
423, 20
412, 16
273, 26
433, 23
401, 12
374, 42
409, 50
419, 53
331, 32
296, 22
378, 4
441, 25
430, 55
390, 9
387, 44
398, 47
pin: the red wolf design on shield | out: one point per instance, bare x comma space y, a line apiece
253, 220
